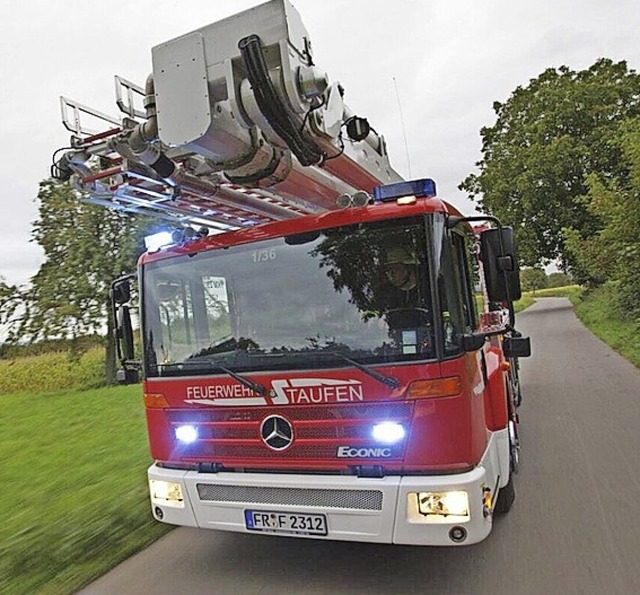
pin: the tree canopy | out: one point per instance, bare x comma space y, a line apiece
548, 139
85, 248
612, 253
9, 303
533, 279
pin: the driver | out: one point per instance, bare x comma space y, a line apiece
400, 269
407, 314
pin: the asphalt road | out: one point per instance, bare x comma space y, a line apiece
575, 526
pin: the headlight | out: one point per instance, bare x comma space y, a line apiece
388, 432
186, 434
444, 504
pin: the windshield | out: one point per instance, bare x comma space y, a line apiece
359, 292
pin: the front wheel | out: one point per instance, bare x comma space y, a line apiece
514, 447
506, 497
514, 378
507, 494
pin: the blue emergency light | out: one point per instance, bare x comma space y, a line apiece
418, 188
158, 240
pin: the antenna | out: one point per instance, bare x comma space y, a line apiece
404, 132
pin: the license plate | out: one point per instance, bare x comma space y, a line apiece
285, 522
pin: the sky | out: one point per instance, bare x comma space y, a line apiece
425, 73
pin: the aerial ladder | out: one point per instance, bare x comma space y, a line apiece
231, 129
408, 431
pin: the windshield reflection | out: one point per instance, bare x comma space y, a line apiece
359, 293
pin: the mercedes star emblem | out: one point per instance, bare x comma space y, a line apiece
276, 432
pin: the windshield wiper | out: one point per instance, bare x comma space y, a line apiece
387, 380
256, 387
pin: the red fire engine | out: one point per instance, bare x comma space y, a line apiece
314, 361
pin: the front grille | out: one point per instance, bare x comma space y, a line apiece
232, 436
351, 499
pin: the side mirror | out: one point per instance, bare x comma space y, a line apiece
120, 294
125, 333
121, 291
500, 264
516, 347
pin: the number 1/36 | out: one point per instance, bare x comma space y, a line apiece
264, 255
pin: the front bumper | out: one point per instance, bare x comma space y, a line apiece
381, 510
377, 510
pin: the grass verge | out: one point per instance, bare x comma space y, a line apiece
598, 312
74, 488
524, 302
573, 292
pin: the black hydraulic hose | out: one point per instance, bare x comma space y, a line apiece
270, 104
265, 94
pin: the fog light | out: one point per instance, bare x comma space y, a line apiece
167, 493
452, 505
388, 432
458, 534
186, 434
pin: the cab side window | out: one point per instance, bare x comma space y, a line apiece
455, 291
462, 246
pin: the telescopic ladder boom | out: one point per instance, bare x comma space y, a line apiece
235, 126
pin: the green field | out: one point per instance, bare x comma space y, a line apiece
74, 490
52, 371
74, 462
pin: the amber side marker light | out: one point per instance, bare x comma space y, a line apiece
434, 388
155, 401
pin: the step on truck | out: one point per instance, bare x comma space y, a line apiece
315, 360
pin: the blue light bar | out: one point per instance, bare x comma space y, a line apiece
417, 188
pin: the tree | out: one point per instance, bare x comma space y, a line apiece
559, 280
10, 300
85, 248
547, 139
533, 279
612, 254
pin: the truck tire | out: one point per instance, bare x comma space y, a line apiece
506, 497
